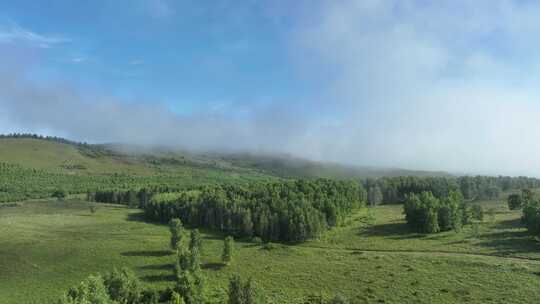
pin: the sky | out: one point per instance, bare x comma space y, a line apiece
431, 85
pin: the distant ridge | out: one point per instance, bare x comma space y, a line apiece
51, 152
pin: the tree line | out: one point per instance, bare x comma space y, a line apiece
395, 189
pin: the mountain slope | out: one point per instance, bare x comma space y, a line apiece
70, 157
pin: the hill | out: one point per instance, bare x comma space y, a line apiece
72, 157
288, 166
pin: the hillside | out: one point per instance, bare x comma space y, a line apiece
108, 159
287, 166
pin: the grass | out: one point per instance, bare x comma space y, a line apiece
42, 154
66, 158
49, 246
384, 229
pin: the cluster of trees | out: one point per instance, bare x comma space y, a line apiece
426, 213
190, 282
123, 287
517, 201
119, 286
530, 205
290, 211
395, 189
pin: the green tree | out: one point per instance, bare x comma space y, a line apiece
228, 250
431, 224
527, 196
195, 240
235, 293
531, 217
59, 194
176, 298
251, 295
243, 292
123, 286
477, 212
375, 195
514, 201
92, 290
176, 228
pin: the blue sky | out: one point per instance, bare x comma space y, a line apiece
188, 55
442, 85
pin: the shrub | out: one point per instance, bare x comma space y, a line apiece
514, 201
477, 212
59, 194
531, 217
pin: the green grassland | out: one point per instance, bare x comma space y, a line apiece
48, 246
136, 160
106, 159
34, 168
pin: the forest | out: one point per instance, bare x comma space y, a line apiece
281, 211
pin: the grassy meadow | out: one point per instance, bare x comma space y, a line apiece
48, 246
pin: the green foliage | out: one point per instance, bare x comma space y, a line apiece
60, 194
477, 212
123, 286
515, 201
375, 195
241, 292
176, 298
291, 211
531, 217
527, 196
228, 250
92, 290
190, 282
176, 228
195, 241
116, 287
427, 214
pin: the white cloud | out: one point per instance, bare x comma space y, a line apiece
16, 34
448, 85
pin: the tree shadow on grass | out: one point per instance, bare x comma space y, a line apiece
140, 217
159, 278
157, 267
147, 253
212, 266
394, 230
510, 242
509, 224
